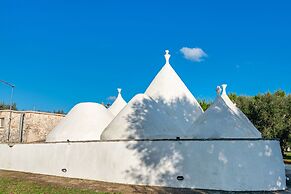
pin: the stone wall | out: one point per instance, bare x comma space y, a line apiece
27, 126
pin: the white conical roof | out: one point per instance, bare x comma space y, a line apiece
118, 104
224, 120
141, 118
85, 121
169, 90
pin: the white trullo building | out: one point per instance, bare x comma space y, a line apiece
166, 110
118, 104
85, 121
223, 120
236, 160
142, 118
170, 92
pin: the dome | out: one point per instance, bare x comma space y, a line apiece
85, 121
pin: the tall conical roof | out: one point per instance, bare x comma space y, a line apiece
169, 90
224, 120
85, 121
118, 104
141, 118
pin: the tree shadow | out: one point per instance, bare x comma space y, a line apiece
158, 119
163, 149
156, 125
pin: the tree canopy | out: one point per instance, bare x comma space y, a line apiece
4, 106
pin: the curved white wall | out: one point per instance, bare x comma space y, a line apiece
238, 165
84, 122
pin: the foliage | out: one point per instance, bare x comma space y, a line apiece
107, 105
4, 106
59, 111
204, 104
288, 155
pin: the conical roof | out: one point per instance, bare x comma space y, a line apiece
141, 118
85, 121
118, 104
224, 120
169, 90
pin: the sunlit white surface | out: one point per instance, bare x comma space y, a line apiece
223, 165
85, 121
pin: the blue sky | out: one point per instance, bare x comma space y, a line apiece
59, 53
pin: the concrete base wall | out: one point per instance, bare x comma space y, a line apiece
238, 165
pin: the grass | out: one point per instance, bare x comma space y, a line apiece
17, 186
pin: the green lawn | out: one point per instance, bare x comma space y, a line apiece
17, 186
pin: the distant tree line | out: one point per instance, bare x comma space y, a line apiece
106, 105
4, 106
59, 111
269, 112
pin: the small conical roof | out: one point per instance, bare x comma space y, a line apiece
169, 90
85, 121
224, 120
141, 118
118, 104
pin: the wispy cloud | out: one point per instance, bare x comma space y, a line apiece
111, 98
193, 54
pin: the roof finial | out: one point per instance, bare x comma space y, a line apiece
218, 90
119, 90
167, 56
224, 88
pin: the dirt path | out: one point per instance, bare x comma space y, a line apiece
99, 185
91, 185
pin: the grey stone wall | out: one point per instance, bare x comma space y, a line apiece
27, 126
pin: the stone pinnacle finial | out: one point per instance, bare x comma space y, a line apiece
119, 90
218, 90
167, 56
224, 88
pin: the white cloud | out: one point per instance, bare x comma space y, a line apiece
111, 98
193, 54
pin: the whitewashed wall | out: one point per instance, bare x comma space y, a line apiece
240, 165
